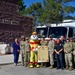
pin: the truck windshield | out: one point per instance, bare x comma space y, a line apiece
56, 32
42, 31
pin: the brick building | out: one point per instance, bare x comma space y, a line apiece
11, 23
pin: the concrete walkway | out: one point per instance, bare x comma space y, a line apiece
7, 59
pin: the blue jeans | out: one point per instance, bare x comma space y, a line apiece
59, 60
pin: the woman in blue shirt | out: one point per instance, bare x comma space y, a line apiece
16, 50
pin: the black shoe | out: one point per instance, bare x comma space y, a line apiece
58, 68
62, 68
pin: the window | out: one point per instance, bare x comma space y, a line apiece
56, 32
42, 31
70, 34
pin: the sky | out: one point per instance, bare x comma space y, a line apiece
29, 2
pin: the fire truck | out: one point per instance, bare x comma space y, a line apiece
67, 29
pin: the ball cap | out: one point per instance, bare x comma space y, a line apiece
71, 38
26, 38
22, 37
50, 36
34, 33
43, 36
67, 39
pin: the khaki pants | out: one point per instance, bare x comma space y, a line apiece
68, 59
25, 58
51, 59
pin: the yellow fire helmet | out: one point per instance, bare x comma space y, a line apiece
34, 33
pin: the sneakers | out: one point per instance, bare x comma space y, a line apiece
51, 67
15, 64
66, 68
25, 64
70, 68
22, 64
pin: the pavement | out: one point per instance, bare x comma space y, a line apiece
7, 59
21, 70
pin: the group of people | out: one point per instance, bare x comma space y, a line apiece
62, 50
23, 48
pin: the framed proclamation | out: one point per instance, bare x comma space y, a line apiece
43, 54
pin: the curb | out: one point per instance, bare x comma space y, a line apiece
8, 59
1, 64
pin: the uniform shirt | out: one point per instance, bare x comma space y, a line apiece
74, 52
43, 43
27, 46
62, 42
22, 46
51, 45
58, 47
74, 48
73, 44
68, 47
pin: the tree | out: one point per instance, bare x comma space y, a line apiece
21, 6
52, 11
35, 11
56, 10
66, 9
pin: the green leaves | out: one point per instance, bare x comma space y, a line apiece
21, 5
51, 11
69, 9
56, 10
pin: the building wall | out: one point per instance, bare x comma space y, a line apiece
11, 23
